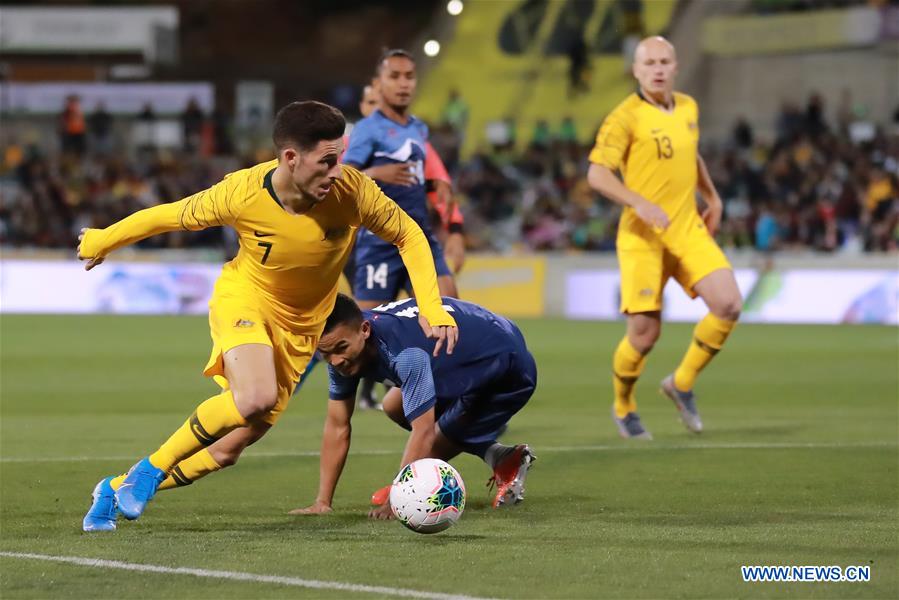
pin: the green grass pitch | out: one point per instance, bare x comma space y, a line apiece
798, 466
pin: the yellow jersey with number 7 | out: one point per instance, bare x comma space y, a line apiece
290, 262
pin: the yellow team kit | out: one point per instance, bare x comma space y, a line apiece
657, 152
281, 286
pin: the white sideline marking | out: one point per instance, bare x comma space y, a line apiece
238, 576
640, 446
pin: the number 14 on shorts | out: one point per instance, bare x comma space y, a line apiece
376, 275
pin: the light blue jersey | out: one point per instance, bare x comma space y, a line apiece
377, 140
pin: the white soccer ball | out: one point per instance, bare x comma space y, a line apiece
427, 495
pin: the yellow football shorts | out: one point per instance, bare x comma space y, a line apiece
644, 272
236, 319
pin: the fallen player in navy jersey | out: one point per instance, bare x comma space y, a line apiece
451, 403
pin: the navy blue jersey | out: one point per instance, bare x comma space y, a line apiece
377, 140
489, 351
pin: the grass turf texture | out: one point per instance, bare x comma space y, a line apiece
675, 517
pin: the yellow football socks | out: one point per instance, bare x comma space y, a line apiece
627, 364
708, 338
212, 419
190, 469
184, 473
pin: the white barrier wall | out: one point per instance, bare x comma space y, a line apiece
595, 294
573, 289
777, 296
114, 287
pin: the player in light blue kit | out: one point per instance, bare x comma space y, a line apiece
451, 403
389, 145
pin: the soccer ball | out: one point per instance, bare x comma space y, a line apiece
427, 495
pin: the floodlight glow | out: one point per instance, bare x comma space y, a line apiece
432, 47
454, 7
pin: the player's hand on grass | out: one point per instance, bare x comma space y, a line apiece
319, 508
92, 261
652, 214
394, 173
712, 217
444, 334
381, 513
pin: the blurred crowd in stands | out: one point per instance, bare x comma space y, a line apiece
818, 185
822, 185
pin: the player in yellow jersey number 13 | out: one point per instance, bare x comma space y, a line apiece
296, 218
652, 139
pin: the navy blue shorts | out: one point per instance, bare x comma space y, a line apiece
475, 421
380, 272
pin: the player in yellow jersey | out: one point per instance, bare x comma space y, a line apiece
652, 138
296, 217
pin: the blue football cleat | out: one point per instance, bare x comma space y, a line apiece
630, 426
102, 514
685, 403
138, 488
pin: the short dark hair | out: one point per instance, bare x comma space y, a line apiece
391, 53
345, 311
305, 124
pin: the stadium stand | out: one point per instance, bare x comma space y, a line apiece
820, 174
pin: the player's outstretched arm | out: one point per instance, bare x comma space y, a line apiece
335, 447
92, 261
218, 205
95, 244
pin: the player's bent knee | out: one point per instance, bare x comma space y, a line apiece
399, 418
392, 405
642, 346
643, 338
226, 458
729, 309
256, 401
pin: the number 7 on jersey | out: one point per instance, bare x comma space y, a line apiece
268, 248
